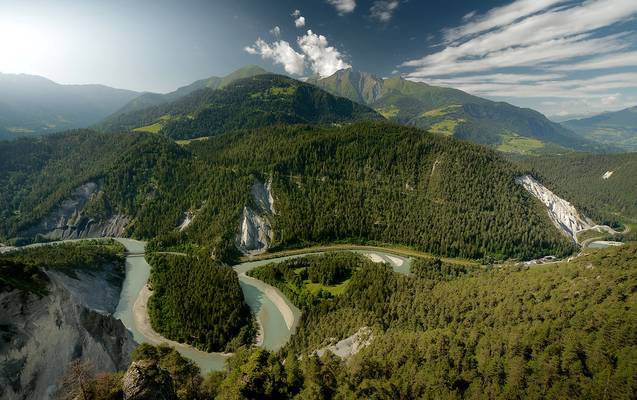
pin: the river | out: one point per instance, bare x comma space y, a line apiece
276, 315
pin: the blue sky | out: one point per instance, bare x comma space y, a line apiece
562, 57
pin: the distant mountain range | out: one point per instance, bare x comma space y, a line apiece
453, 112
617, 128
148, 99
253, 102
32, 105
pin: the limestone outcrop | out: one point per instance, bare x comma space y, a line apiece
41, 336
69, 220
255, 228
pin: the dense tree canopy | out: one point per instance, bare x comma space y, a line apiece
24, 269
359, 183
198, 302
580, 178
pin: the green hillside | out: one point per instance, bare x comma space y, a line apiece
560, 331
617, 129
146, 100
359, 183
254, 102
452, 112
604, 187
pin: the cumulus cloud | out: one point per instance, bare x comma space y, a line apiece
343, 6
323, 59
383, 10
299, 22
315, 54
276, 32
280, 52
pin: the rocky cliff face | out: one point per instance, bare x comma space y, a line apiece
561, 212
145, 380
40, 336
69, 219
255, 229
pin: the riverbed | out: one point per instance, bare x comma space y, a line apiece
276, 315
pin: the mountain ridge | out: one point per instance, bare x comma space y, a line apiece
151, 99
617, 128
32, 105
450, 111
253, 102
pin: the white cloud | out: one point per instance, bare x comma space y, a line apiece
551, 51
538, 86
621, 59
534, 50
299, 22
276, 32
504, 44
343, 6
296, 13
383, 10
323, 59
316, 54
498, 17
280, 52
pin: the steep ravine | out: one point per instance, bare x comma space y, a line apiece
40, 336
69, 219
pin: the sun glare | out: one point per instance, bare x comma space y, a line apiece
23, 49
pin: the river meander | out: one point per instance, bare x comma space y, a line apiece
276, 315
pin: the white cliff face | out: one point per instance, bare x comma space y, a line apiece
262, 196
188, 217
255, 232
68, 220
40, 336
561, 212
349, 346
255, 229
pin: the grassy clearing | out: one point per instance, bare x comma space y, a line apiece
516, 144
334, 290
440, 112
185, 142
388, 112
446, 127
152, 128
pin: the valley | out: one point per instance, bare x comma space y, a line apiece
350, 235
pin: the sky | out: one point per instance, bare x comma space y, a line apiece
564, 58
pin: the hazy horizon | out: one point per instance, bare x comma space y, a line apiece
563, 58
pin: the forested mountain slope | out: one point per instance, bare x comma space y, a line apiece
32, 105
146, 100
254, 102
556, 331
357, 183
453, 112
603, 187
618, 128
